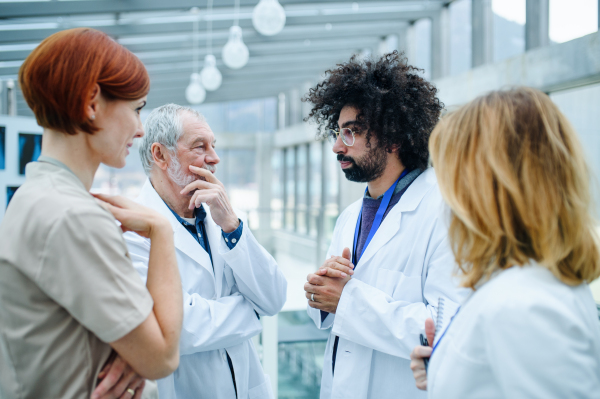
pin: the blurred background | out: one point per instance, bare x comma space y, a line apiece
246, 64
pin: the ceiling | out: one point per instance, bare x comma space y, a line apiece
316, 36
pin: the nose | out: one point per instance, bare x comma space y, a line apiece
339, 147
211, 157
140, 131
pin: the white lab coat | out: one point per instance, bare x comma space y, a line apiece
219, 308
524, 334
397, 283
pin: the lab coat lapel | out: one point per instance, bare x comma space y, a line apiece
348, 230
391, 224
183, 239
214, 238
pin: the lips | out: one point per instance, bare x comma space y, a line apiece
345, 165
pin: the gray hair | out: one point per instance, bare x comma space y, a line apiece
163, 125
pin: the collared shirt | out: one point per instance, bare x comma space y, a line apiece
198, 231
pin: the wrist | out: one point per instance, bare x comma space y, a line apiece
230, 226
160, 226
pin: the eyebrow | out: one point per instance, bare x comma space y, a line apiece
202, 140
349, 123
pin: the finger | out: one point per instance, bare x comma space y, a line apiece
341, 267
420, 352
430, 331
204, 196
140, 389
207, 174
346, 253
315, 279
133, 385
197, 185
124, 382
112, 378
321, 272
331, 272
342, 261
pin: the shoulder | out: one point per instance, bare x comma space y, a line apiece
426, 187
532, 292
351, 209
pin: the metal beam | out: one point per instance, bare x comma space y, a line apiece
28, 9
537, 16
136, 34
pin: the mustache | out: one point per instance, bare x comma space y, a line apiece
342, 158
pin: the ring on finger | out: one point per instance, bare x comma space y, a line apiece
312, 297
130, 391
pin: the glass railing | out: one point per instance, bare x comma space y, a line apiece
301, 349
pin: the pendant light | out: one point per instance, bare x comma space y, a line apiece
235, 53
195, 93
268, 17
210, 76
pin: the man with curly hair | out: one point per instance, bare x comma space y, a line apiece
389, 262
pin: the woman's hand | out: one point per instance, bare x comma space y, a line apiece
417, 365
133, 216
118, 380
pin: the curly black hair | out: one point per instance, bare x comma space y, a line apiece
394, 102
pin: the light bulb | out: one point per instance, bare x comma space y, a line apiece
195, 93
210, 76
268, 17
235, 53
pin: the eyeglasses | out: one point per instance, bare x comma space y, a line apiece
346, 134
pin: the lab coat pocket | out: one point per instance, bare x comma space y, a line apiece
263, 391
398, 285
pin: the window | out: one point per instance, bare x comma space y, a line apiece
509, 28
460, 36
30, 148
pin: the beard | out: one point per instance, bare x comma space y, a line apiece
183, 178
367, 168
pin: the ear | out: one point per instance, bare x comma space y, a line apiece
93, 101
160, 155
394, 148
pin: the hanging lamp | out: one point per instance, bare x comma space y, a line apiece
195, 93
268, 17
235, 53
210, 76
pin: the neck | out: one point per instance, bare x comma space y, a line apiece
74, 151
391, 173
169, 192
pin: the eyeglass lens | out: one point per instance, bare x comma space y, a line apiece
346, 134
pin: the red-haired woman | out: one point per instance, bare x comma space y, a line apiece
68, 290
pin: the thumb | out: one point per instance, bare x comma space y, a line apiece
430, 331
346, 253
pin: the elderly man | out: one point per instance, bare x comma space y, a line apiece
228, 278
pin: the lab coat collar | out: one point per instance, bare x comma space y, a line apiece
390, 225
183, 239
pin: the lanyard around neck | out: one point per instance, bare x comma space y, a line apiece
385, 202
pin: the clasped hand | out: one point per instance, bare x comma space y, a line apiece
212, 192
328, 282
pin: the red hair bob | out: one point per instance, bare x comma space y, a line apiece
59, 75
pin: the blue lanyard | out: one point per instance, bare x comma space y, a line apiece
387, 197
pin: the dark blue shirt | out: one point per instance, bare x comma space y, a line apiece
198, 231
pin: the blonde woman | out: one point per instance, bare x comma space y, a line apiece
513, 172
